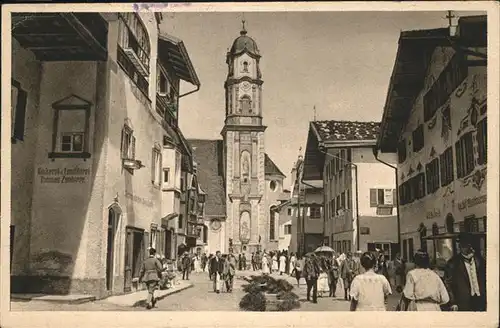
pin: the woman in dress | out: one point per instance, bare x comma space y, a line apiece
275, 267
424, 290
265, 265
369, 290
323, 285
297, 270
293, 259
282, 263
197, 264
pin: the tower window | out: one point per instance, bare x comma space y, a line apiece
245, 67
246, 104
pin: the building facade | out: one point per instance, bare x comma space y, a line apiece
307, 203
244, 178
360, 210
95, 148
442, 141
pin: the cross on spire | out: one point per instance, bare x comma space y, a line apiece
243, 30
314, 111
450, 16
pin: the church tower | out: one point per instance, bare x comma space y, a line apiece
244, 153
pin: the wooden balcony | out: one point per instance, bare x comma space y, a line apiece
62, 36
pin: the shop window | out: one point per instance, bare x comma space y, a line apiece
432, 175
71, 128
402, 151
418, 138
19, 99
446, 167
482, 142
464, 151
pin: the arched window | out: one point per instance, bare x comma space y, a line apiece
272, 223
273, 185
245, 67
246, 105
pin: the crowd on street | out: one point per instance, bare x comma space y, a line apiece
365, 279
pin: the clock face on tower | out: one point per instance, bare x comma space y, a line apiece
245, 86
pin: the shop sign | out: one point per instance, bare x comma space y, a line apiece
471, 202
140, 200
73, 174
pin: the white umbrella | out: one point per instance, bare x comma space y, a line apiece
324, 249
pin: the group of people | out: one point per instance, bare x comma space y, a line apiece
222, 269
273, 262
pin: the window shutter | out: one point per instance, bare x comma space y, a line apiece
394, 198
373, 197
18, 132
132, 146
348, 195
153, 166
308, 211
321, 211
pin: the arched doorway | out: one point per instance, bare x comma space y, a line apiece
114, 213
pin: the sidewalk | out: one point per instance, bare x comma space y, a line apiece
138, 299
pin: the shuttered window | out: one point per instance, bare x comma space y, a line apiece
432, 175
482, 142
464, 151
382, 197
418, 138
446, 167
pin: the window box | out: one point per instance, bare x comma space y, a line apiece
132, 164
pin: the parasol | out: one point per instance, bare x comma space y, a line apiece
324, 249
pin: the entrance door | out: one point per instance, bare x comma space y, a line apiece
129, 238
110, 255
168, 244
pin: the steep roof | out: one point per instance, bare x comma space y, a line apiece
208, 155
270, 168
346, 130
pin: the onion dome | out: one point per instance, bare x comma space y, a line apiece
244, 43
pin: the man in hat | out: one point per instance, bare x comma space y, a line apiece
186, 266
348, 270
151, 273
465, 278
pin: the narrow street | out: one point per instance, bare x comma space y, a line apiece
199, 298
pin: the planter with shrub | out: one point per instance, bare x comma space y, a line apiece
265, 293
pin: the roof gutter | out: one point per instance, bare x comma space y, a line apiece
190, 92
398, 218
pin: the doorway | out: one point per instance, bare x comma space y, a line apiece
135, 242
168, 244
113, 217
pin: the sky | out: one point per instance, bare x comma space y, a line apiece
339, 62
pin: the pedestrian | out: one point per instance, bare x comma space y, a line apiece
465, 278
399, 272
216, 271
240, 262
244, 261
209, 260
424, 289
275, 266
204, 262
293, 259
254, 266
323, 283
382, 267
297, 270
369, 290
197, 263
348, 271
229, 272
311, 273
186, 266
150, 274
333, 276
282, 266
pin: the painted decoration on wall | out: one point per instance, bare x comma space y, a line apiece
245, 227
215, 225
446, 122
419, 167
461, 89
403, 176
432, 123
477, 179
433, 152
471, 117
410, 171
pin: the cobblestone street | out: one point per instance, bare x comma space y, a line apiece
198, 298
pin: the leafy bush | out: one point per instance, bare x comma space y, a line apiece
255, 299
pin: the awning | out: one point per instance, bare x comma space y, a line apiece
173, 51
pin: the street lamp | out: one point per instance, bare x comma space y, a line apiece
322, 150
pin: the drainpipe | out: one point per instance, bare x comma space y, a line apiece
375, 153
